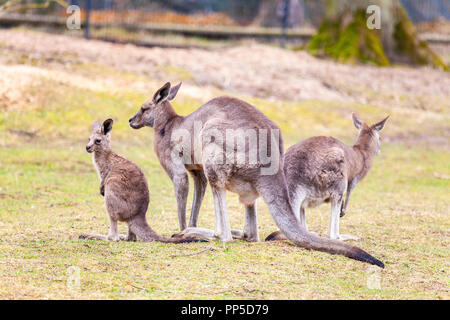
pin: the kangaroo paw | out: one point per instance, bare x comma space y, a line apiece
192, 232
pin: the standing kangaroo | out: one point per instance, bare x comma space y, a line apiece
249, 180
125, 190
322, 169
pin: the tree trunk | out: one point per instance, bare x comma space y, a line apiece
345, 35
270, 13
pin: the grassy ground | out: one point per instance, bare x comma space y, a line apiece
49, 195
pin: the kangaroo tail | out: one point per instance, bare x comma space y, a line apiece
278, 203
140, 227
276, 235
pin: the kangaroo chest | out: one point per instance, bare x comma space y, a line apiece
96, 166
102, 170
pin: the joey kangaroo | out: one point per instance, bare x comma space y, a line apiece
125, 190
203, 132
323, 169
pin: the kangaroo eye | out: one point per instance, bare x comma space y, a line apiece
143, 110
98, 141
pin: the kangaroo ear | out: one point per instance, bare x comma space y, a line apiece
97, 126
173, 92
107, 126
378, 126
357, 121
162, 93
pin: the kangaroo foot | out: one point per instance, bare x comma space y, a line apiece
347, 237
192, 232
223, 237
237, 234
131, 237
202, 233
242, 235
117, 237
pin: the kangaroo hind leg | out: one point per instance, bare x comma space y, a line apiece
222, 231
250, 232
200, 183
336, 205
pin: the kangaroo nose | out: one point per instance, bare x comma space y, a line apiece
129, 120
87, 148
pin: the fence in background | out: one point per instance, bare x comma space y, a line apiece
157, 21
214, 19
427, 10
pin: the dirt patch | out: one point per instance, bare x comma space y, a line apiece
11, 88
253, 69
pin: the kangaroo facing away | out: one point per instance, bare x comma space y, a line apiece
125, 190
203, 132
323, 169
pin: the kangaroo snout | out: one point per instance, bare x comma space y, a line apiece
131, 122
88, 148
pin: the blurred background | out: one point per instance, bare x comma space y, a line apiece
187, 22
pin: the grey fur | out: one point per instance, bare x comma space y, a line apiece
323, 169
125, 189
221, 114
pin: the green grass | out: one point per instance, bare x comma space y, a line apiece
49, 196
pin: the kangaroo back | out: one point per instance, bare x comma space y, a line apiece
278, 202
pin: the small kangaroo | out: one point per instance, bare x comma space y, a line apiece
249, 180
125, 190
322, 169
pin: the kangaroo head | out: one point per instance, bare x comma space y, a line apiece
154, 107
100, 137
368, 136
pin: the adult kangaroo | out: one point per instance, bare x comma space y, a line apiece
125, 189
208, 148
323, 169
